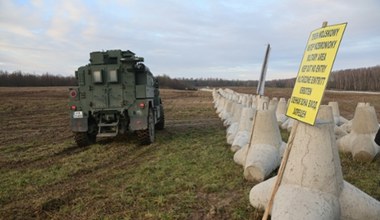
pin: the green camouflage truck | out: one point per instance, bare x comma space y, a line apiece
116, 94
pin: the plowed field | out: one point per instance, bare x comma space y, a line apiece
188, 173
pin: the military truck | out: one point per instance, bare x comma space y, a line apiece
116, 94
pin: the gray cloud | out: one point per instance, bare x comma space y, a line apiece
225, 39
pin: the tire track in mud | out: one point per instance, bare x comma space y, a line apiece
75, 185
201, 123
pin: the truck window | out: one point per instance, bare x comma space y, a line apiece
97, 76
112, 76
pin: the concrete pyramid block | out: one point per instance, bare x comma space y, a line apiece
248, 102
339, 132
281, 111
241, 155
273, 104
262, 102
234, 115
254, 101
338, 119
312, 186
226, 113
263, 155
360, 142
245, 128
288, 124
234, 123
346, 127
219, 103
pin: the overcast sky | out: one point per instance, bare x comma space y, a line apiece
196, 38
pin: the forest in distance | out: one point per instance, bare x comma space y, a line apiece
360, 79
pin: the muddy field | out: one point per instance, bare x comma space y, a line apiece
41, 114
187, 174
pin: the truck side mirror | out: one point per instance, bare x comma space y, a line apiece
156, 85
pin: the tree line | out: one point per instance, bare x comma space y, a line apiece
192, 83
18, 79
361, 79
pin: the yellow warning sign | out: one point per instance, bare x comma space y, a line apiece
314, 72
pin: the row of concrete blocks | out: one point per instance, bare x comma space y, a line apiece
241, 114
355, 136
312, 186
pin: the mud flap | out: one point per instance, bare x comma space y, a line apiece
79, 124
138, 123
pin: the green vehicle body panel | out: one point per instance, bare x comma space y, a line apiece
111, 90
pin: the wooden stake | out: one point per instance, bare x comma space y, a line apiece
280, 172
253, 128
253, 124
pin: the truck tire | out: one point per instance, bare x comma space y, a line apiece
161, 123
147, 136
84, 139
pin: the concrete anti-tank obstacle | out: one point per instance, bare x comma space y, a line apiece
249, 101
273, 104
244, 99
348, 125
338, 119
262, 102
234, 123
234, 126
241, 154
219, 99
312, 186
228, 120
360, 142
339, 132
232, 114
223, 108
288, 124
281, 111
245, 128
264, 154
227, 110
219, 104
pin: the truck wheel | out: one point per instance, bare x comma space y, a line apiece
147, 136
84, 139
161, 123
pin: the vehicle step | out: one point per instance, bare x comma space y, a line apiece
106, 134
108, 125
